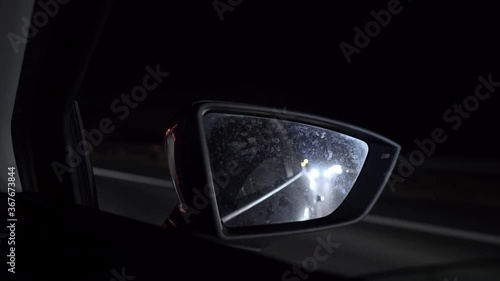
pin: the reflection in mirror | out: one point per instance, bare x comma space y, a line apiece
270, 171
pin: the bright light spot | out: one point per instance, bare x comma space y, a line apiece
312, 184
304, 163
337, 169
314, 174
333, 170
307, 214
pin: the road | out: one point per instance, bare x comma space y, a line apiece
399, 233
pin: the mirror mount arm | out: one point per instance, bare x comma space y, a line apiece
177, 219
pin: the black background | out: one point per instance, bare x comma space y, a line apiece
287, 54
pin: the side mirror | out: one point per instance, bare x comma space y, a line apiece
245, 171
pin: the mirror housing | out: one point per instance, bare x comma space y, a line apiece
198, 186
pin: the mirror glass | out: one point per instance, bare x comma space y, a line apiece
270, 171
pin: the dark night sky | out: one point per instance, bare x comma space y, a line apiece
287, 54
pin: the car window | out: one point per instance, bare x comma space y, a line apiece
426, 78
